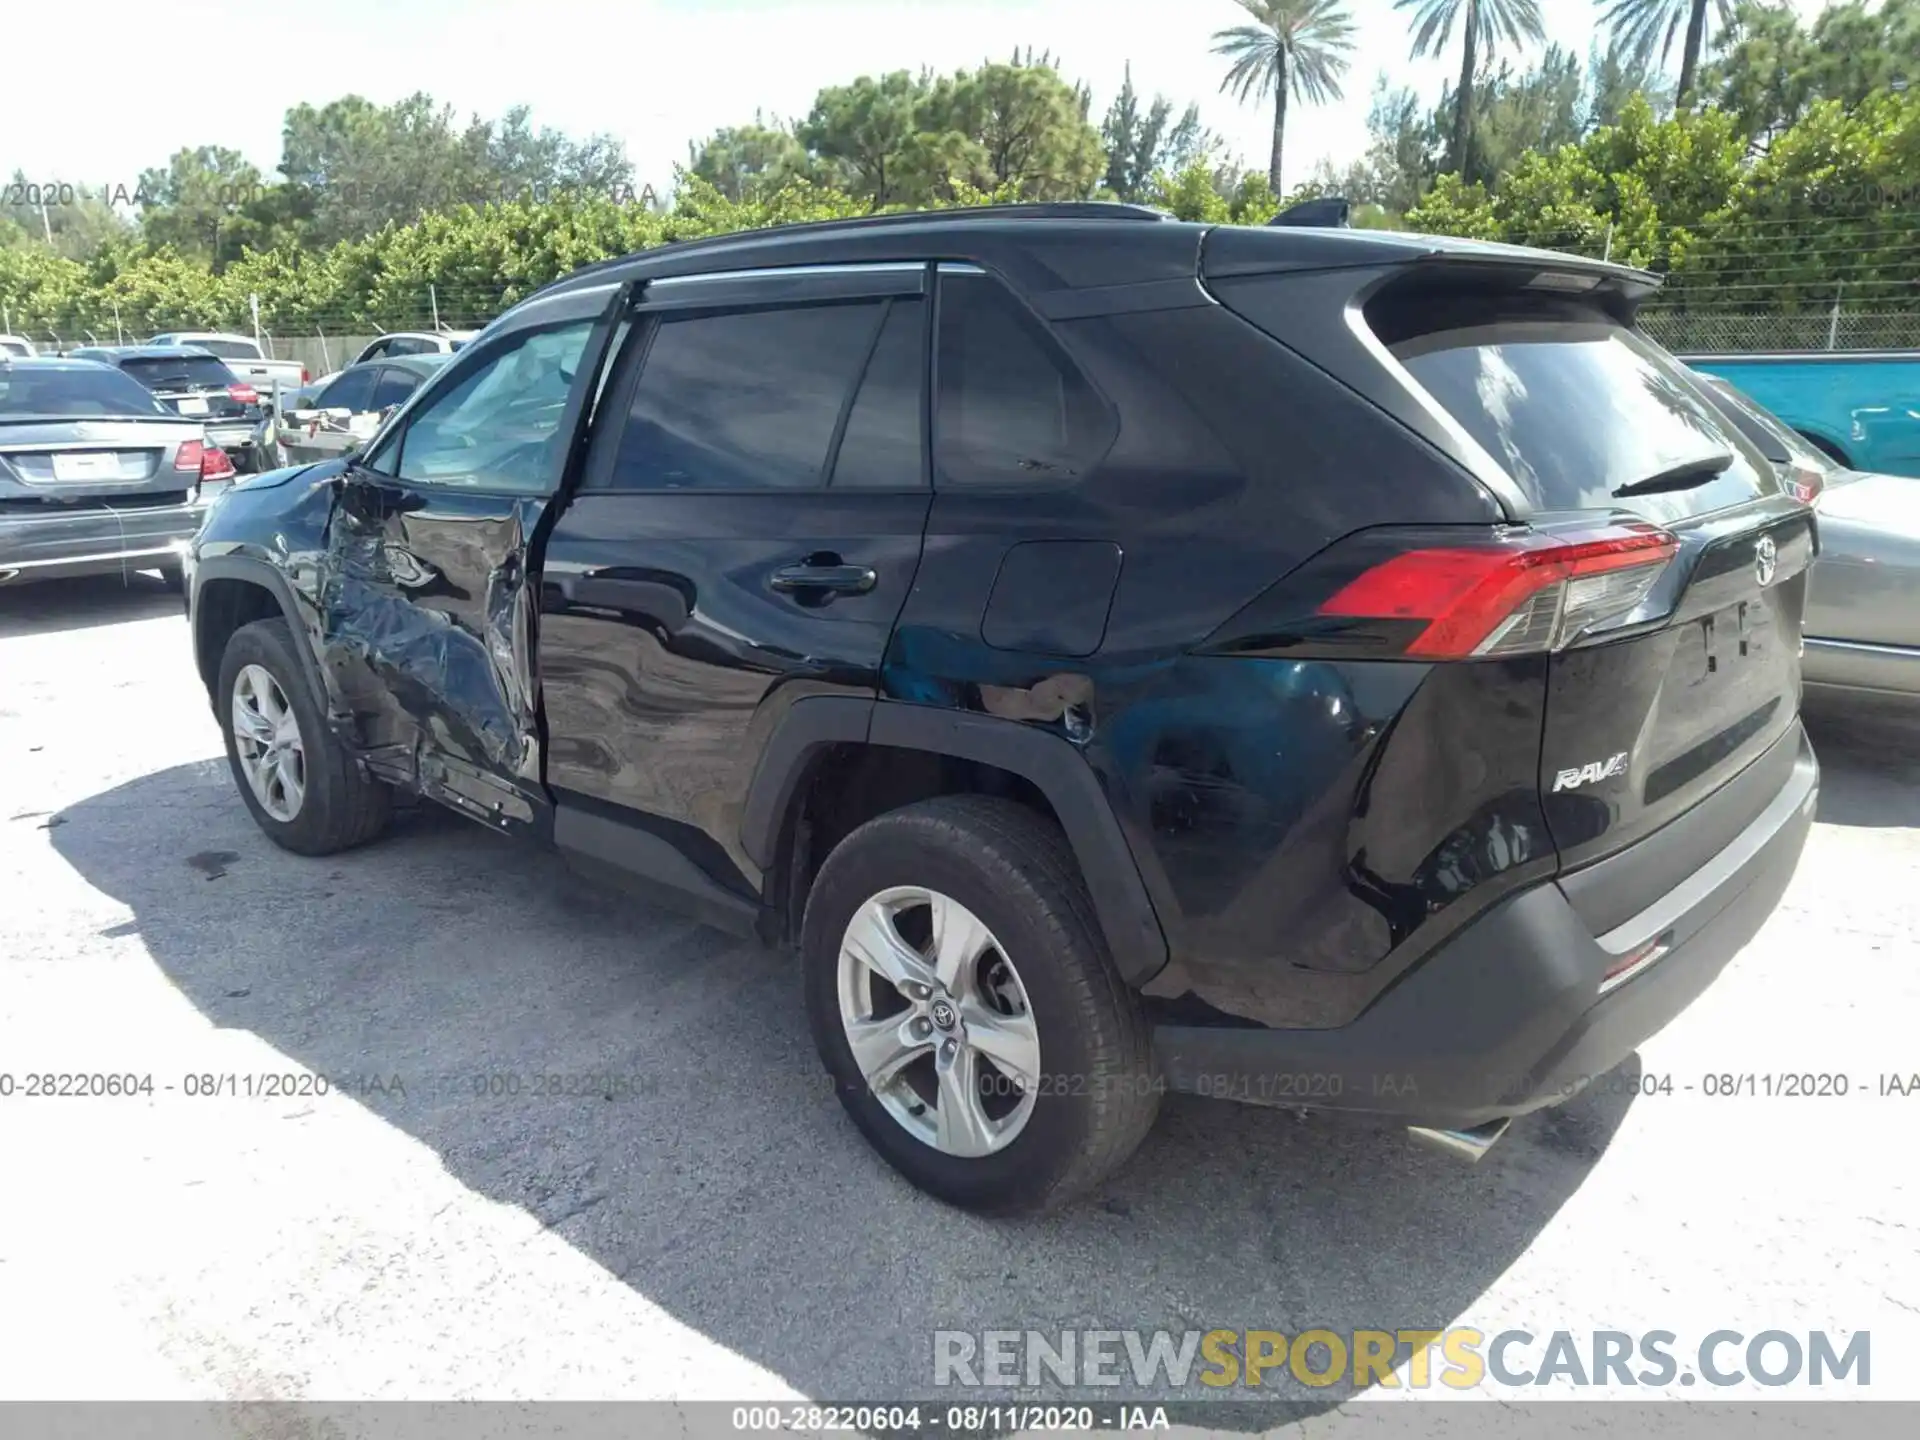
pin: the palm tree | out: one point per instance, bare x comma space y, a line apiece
1298, 49
1644, 26
1488, 22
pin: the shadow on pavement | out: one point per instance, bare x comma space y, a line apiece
716, 1175
1870, 768
47, 607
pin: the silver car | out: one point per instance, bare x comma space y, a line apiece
1863, 595
96, 475
339, 417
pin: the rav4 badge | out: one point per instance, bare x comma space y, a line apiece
1588, 774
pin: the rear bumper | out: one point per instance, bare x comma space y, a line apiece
94, 542
1509, 1015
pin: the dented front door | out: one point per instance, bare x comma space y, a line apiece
427, 618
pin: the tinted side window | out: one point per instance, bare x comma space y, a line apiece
1012, 408
393, 386
352, 391
881, 447
495, 428
742, 401
377, 350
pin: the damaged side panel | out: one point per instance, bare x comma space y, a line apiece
426, 636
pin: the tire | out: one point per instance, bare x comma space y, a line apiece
174, 578
341, 807
1098, 1091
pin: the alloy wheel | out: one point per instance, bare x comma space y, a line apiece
266, 736
938, 1021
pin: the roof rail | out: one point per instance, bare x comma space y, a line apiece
1026, 210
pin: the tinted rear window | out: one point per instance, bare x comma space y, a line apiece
1012, 408
73, 393
1572, 404
744, 401
229, 349
185, 372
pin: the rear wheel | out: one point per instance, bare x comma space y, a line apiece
962, 998
299, 782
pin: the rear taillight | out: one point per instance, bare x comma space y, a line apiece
305, 379
1804, 483
245, 394
209, 462
1536, 593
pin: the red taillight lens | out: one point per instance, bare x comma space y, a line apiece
305, 379
245, 394
1805, 483
1536, 593
214, 464
189, 456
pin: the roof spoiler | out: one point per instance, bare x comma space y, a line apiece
1332, 212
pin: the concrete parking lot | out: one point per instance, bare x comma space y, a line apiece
681, 1210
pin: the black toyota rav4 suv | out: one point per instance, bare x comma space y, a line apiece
1313, 667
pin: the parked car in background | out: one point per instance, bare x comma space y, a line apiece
1326, 668
96, 475
397, 344
1863, 597
245, 358
198, 385
1859, 408
17, 346
337, 418
415, 342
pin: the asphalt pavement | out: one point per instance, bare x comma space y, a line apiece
574, 1146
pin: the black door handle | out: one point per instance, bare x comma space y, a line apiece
835, 578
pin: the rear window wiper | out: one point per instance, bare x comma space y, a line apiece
1677, 477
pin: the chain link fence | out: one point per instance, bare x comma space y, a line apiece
1693, 332
325, 341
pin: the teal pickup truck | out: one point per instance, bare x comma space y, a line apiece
1861, 407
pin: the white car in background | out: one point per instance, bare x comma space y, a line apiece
18, 347
396, 343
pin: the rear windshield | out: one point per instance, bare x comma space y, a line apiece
229, 349
71, 394
185, 372
1576, 407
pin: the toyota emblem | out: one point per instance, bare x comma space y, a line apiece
1766, 559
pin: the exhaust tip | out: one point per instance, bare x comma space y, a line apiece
1468, 1145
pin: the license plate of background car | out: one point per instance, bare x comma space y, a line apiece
86, 465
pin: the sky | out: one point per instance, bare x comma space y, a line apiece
653, 73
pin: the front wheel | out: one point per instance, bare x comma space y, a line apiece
302, 787
961, 995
